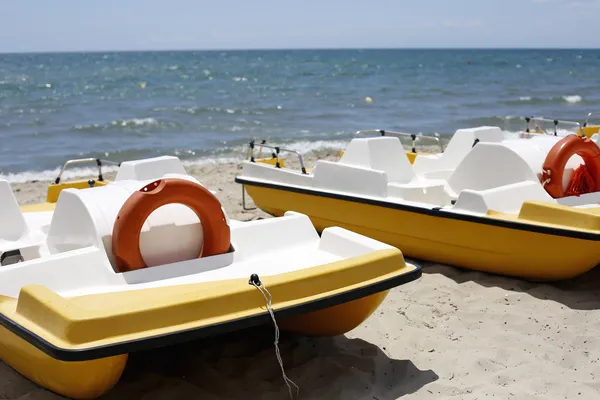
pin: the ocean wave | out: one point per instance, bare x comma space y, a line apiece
49, 175
127, 123
223, 110
572, 99
225, 155
135, 122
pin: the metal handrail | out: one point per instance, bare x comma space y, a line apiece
96, 161
529, 120
263, 144
588, 117
413, 136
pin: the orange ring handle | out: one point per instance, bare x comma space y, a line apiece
139, 206
554, 165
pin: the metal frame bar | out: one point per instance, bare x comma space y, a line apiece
244, 200
413, 136
588, 117
80, 161
529, 120
275, 154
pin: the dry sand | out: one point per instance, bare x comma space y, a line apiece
453, 334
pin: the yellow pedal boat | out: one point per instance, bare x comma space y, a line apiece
126, 266
534, 126
481, 204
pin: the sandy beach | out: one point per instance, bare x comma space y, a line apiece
452, 334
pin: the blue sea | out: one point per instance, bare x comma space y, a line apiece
205, 106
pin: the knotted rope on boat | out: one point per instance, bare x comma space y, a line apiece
255, 281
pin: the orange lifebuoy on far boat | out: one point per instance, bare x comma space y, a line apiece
556, 160
139, 206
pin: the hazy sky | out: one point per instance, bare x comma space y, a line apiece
72, 25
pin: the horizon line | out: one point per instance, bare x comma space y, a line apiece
235, 49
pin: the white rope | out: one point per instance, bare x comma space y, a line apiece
269, 301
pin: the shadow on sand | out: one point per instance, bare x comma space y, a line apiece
243, 365
580, 293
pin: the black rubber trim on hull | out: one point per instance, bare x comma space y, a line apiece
434, 212
204, 331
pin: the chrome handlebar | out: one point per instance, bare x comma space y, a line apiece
263, 144
413, 136
80, 161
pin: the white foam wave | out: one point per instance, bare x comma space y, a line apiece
525, 98
572, 99
307, 146
135, 122
49, 175
234, 155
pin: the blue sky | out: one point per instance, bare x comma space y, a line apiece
75, 25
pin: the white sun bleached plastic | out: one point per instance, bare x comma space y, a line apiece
506, 199
383, 154
461, 144
150, 168
350, 178
72, 246
17, 232
490, 165
13, 225
498, 172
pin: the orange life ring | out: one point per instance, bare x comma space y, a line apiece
139, 206
556, 160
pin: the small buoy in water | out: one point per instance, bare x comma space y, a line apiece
469, 62
368, 99
143, 85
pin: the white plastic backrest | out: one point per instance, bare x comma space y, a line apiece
78, 222
257, 170
330, 175
150, 168
506, 199
356, 153
532, 151
380, 153
259, 237
491, 134
535, 150
12, 223
458, 147
86, 218
490, 165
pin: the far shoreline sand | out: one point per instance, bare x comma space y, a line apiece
454, 333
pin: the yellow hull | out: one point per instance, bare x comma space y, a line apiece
336, 320
54, 189
78, 380
91, 379
479, 246
78, 346
588, 131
